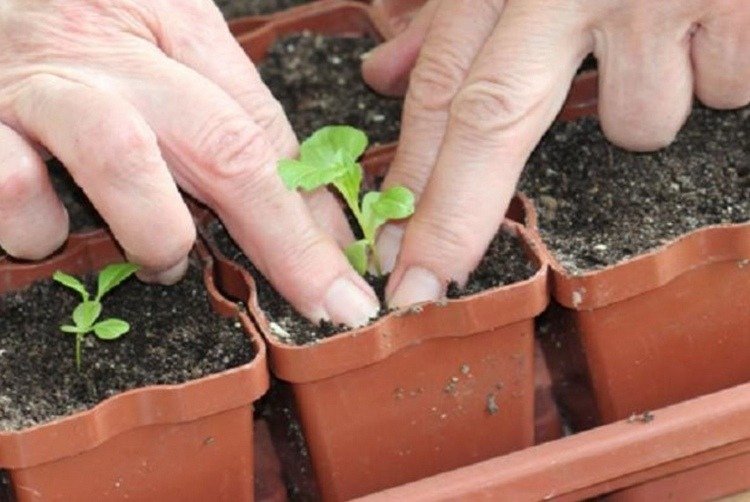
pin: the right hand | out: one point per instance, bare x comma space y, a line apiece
133, 95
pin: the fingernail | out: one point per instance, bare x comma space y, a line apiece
389, 244
166, 277
417, 285
348, 304
366, 55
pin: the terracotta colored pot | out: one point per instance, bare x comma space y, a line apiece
243, 25
328, 17
394, 16
169, 443
418, 392
695, 450
667, 325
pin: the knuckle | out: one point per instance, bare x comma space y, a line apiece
130, 148
489, 107
20, 184
436, 79
233, 149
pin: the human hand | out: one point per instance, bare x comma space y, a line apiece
133, 95
487, 78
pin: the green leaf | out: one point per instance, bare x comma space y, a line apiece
309, 176
86, 314
320, 148
112, 276
356, 253
372, 220
71, 282
71, 329
349, 183
111, 329
395, 203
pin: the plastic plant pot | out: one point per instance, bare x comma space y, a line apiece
169, 443
418, 392
694, 450
337, 17
394, 16
667, 325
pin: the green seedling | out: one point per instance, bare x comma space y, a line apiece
86, 314
329, 157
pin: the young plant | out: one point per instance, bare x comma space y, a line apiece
329, 157
86, 315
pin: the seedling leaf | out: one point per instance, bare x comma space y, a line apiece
86, 314
66, 328
112, 276
329, 157
111, 329
395, 203
356, 253
327, 143
308, 176
71, 282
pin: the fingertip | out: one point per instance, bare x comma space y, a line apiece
165, 277
417, 285
347, 302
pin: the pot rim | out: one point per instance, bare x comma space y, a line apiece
401, 328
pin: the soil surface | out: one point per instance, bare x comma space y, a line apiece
174, 337
237, 8
599, 204
318, 81
81, 212
505, 263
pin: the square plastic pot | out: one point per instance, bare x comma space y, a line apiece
664, 326
168, 443
418, 392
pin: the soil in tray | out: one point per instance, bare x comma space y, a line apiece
505, 263
599, 204
81, 212
237, 8
174, 337
318, 81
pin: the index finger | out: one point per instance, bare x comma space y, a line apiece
513, 91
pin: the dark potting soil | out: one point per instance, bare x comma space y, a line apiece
505, 263
81, 212
599, 204
318, 81
237, 8
174, 337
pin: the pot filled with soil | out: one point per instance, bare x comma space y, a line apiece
311, 62
164, 413
415, 392
650, 257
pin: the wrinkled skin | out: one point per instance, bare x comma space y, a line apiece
136, 97
487, 77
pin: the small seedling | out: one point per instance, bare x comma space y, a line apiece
86, 314
329, 157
